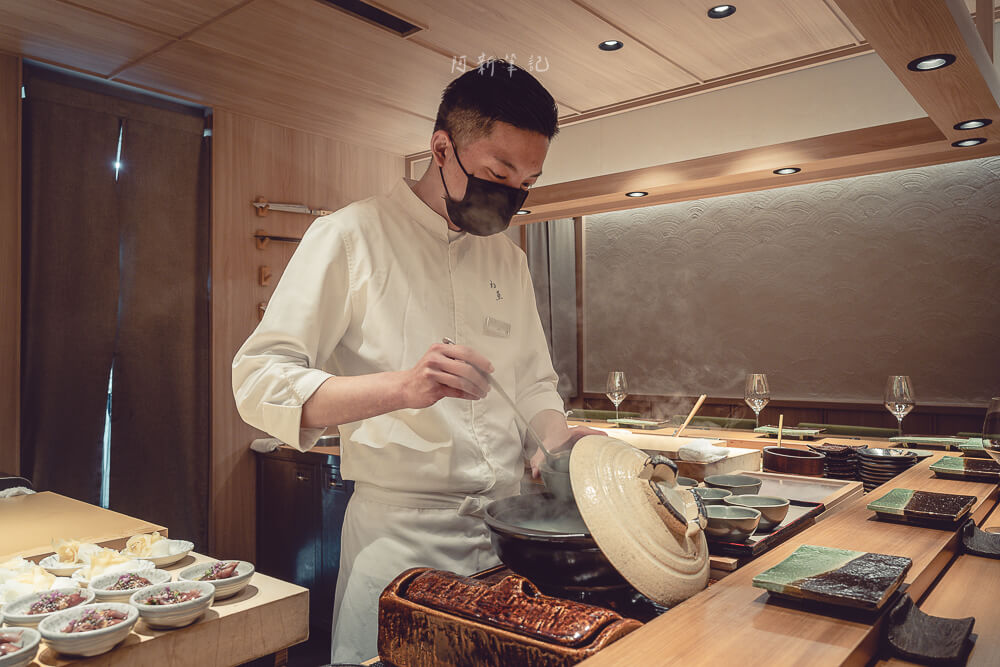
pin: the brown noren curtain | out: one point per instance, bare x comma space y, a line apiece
131, 288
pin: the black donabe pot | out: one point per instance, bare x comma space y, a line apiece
553, 561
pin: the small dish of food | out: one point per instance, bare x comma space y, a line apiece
108, 561
119, 586
157, 549
173, 605
228, 576
29, 611
18, 646
89, 629
69, 556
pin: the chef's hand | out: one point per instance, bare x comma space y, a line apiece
560, 441
446, 371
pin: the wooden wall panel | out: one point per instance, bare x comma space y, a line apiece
10, 262
254, 158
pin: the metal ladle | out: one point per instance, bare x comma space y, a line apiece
554, 461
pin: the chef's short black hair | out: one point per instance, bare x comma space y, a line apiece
495, 91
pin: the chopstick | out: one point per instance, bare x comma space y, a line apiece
781, 425
701, 399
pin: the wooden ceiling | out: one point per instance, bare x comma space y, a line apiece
306, 65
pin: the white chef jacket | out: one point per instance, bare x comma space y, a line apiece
369, 289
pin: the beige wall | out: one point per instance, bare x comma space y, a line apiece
10, 262
827, 287
252, 158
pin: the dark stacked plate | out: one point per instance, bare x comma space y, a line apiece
841, 460
877, 466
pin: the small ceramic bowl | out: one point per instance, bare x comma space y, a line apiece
224, 588
731, 523
53, 565
689, 482
735, 484
90, 642
711, 496
101, 584
16, 613
29, 639
178, 549
177, 615
773, 510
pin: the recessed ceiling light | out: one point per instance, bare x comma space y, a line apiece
610, 45
523, 211
931, 62
965, 143
973, 124
636, 193
721, 11
784, 171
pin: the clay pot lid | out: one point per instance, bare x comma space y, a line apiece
648, 528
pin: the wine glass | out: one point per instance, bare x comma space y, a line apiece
899, 397
617, 388
757, 393
991, 429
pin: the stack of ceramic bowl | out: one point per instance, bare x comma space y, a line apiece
878, 466
841, 460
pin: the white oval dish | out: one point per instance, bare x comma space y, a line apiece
30, 638
99, 584
168, 616
16, 613
224, 588
134, 565
178, 549
53, 565
91, 642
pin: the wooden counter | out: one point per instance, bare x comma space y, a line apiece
30, 523
734, 622
268, 616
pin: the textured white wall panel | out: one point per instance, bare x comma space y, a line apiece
827, 287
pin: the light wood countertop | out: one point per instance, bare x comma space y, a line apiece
266, 617
734, 622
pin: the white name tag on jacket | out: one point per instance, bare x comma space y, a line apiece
497, 328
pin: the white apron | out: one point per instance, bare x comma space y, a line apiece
387, 532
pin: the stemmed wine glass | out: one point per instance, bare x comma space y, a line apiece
757, 393
617, 388
899, 397
991, 429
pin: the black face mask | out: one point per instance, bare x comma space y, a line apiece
486, 208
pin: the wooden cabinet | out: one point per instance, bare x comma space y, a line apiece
301, 500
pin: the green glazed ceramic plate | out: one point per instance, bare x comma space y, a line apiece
929, 439
974, 447
922, 506
836, 576
960, 467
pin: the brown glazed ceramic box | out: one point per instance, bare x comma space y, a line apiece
434, 618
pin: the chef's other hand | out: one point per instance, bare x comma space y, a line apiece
451, 371
561, 442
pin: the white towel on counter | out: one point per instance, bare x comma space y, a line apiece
702, 450
16, 491
265, 445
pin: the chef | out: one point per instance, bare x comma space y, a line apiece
352, 338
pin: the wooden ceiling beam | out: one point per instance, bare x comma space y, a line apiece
901, 31
890, 147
